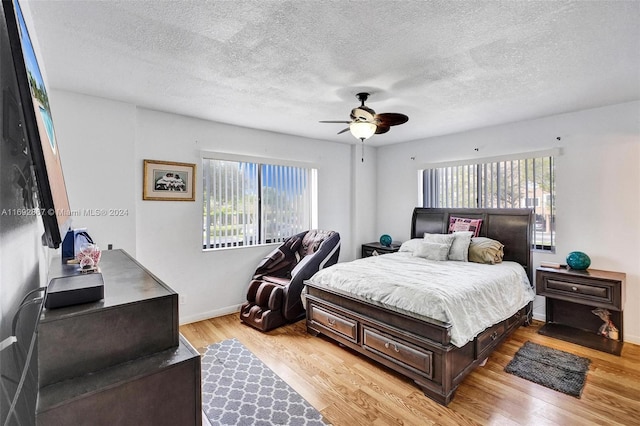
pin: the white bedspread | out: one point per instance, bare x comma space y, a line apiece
469, 296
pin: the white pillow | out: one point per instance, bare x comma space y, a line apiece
460, 247
432, 251
411, 245
439, 238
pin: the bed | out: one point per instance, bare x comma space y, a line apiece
417, 344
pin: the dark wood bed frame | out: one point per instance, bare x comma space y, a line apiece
415, 346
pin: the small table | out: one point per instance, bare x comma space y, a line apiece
375, 249
571, 295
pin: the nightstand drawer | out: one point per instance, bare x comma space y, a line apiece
370, 251
579, 289
597, 292
376, 249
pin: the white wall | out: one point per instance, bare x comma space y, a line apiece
597, 186
363, 201
104, 144
169, 234
97, 151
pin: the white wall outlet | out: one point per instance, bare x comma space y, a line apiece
183, 299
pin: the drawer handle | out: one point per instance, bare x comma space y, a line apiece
574, 288
331, 322
395, 347
494, 335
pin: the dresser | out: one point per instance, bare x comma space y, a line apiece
120, 360
572, 295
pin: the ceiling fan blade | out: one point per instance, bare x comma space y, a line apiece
330, 121
382, 129
391, 118
363, 114
343, 130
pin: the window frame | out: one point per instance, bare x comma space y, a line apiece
479, 166
258, 162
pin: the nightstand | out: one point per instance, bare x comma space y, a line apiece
571, 296
375, 249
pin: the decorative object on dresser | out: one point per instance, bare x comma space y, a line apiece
239, 389
414, 345
571, 297
375, 249
578, 260
552, 368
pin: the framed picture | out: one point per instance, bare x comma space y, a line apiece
168, 181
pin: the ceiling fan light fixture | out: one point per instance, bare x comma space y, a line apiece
362, 130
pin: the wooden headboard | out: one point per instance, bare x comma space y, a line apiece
512, 227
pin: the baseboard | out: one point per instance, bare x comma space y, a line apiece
209, 314
632, 339
539, 316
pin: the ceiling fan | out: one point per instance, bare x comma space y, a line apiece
365, 122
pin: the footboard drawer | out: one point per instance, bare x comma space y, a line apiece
344, 326
398, 351
516, 319
485, 340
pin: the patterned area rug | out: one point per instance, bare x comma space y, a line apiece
238, 389
557, 370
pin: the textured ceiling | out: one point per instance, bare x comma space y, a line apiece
283, 65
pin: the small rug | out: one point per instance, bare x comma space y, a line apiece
557, 370
239, 389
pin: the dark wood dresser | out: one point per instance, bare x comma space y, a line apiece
120, 360
572, 295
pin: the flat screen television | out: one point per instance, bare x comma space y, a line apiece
53, 202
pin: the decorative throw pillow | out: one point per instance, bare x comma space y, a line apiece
460, 247
457, 224
485, 250
448, 239
432, 251
411, 246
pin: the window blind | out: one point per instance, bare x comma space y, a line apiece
247, 203
518, 183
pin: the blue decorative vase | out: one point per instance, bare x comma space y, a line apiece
578, 260
385, 240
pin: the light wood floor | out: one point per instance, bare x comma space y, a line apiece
350, 390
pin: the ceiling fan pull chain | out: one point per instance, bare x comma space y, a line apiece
362, 155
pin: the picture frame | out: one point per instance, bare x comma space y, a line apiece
168, 181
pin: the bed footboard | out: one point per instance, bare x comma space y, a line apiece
417, 349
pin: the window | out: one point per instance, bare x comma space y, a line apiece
521, 183
247, 203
